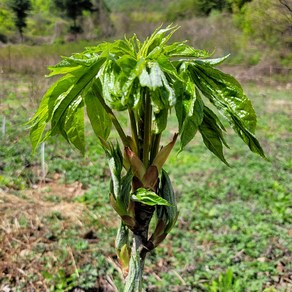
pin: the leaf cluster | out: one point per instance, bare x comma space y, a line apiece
124, 74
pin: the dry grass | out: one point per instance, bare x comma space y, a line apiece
23, 231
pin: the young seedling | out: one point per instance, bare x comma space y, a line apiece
147, 80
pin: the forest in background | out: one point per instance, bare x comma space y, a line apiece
254, 32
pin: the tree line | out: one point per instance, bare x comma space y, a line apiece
71, 9
265, 21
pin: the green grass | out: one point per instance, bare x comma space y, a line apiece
232, 231
27, 59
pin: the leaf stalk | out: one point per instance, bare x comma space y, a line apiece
147, 129
113, 117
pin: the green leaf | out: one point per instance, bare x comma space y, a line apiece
158, 38
182, 50
120, 83
228, 97
154, 78
168, 214
168, 67
115, 160
225, 93
189, 112
160, 120
99, 118
59, 106
86, 76
212, 138
125, 189
213, 120
247, 137
162, 93
122, 237
71, 124
44, 113
148, 197
213, 62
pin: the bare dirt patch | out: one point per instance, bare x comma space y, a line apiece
23, 230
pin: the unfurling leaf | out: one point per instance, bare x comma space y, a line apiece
163, 154
148, 197
123, 245
167, 214
122, 237
135, 162
150, 178
124, 257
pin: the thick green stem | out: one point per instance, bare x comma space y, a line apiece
134, 128
155, 146
134, 279
147, 129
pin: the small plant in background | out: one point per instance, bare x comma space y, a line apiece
226, 282
147, 80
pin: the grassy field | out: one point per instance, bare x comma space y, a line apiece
234, 231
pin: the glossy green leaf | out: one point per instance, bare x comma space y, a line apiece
225, 93
168, 67
163, 97
213, 62
74, 91
44, 113
125, 190
158, 38
122, 237
160, 120
182, 50
120, 87
167, 214
189, 112
71, 124
216, 124
212, 137
148, 197
228, 97
56, 103
247, 137
99, 118
115, 160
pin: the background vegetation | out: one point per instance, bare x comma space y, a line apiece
235, 226
258, 31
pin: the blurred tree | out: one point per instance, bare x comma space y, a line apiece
102, 18
268, 22
236, 5
6, 22
20, 9
73, 9
188, 8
